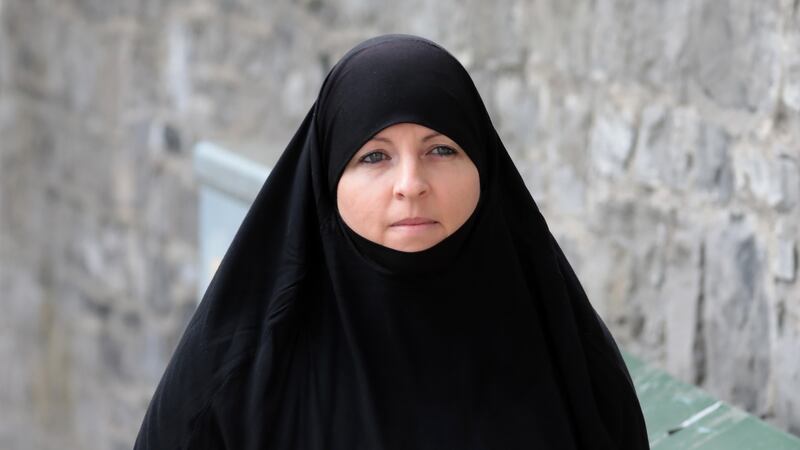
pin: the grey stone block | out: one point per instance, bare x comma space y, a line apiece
611, 141
736, 314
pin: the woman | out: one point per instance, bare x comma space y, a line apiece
394, 286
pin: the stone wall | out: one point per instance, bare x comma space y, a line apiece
660, 139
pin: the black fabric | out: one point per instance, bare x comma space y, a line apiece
312, 337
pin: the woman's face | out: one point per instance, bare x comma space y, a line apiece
408, 188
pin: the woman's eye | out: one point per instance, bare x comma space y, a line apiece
442, 150
372, 158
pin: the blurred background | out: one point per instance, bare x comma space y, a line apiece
661, 141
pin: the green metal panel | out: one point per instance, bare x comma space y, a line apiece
729, 428
683, 416
228, 185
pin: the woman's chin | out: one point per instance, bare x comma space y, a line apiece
413, 242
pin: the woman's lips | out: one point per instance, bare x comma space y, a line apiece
414, 222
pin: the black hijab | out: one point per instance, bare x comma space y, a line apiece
313, 337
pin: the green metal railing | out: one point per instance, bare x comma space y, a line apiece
683, 416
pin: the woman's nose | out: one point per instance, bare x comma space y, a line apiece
411, 181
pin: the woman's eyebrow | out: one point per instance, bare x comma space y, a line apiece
383, 139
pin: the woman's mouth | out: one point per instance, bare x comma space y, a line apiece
414, 222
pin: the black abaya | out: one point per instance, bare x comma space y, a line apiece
312, 337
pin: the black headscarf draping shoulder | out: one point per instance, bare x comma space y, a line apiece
312, 337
